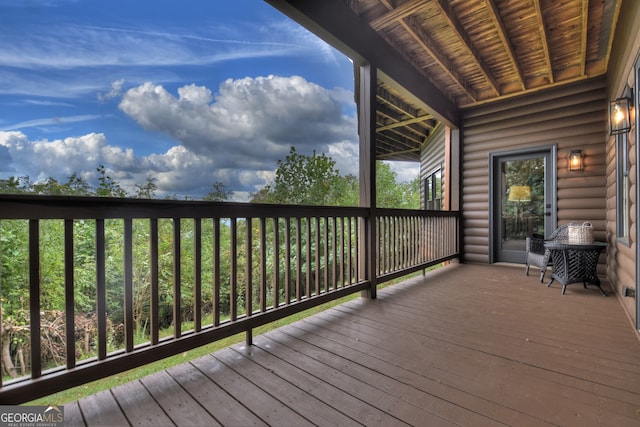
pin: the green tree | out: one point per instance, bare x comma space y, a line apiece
148, 190
14, 185
108, 187
75, 186
306, 180
391, 193
218, 193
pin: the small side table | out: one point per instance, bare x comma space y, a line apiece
575, 262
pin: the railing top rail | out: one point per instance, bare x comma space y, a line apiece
21, 206
415, 212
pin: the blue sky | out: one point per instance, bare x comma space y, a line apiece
188, 93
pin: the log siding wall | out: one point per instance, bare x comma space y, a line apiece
432, 157
621, 265
571, 117
622, 269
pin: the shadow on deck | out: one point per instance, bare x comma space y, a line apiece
467, 345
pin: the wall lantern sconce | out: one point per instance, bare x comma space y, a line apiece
575, 161
620, 116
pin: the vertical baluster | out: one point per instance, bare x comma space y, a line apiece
155, 292
317, 254
407, 241
263, 265
249, 269
101, 291
249, 278
326, 253
428, 237
276, 262
197, 279
394, 242
414, 241
128, 284
287, 261
382, 239
298, 259
233, 291
34, 298
334, 248
342, 251
390, 234
308, 256
349, 252
441, 251
177, 280
399, 244
356, 246
216, 271
423, 239
432, 238
69, 297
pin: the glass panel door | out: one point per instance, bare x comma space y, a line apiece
521, 206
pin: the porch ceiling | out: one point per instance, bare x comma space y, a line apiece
471, 52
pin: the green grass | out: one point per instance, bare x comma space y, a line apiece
88, 389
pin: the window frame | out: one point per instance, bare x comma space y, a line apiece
623, 203
432, 193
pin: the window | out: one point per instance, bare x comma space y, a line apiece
433, 190
622, 188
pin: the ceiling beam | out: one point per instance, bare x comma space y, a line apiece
410, 154
429, 45
336, 23
395, 102
397, 14
450, 16
406, 122
585, 36
545, 42
506, 42
401, 15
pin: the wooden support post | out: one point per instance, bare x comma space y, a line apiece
366, 87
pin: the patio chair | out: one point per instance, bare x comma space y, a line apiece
537, 255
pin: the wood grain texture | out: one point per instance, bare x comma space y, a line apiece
463, 345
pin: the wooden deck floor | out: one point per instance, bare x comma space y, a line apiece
468, 345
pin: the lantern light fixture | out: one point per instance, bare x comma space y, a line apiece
620, 115
575, 161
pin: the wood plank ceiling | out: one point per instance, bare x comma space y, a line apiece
481, 51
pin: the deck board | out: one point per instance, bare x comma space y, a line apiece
255, 399
468, 345
177, 402
225, 409
139, 406
315, 410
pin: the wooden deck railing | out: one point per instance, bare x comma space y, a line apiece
169, 276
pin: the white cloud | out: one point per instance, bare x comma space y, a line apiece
249, 124
35, 58
59, 158
51, 121
68, 46
235, 137
114, 92
405, 171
